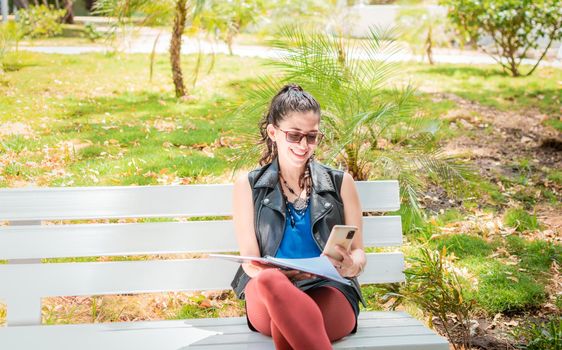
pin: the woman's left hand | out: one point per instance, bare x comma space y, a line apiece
346, 267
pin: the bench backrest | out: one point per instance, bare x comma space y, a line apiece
24, 280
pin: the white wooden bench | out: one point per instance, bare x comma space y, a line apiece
24, 280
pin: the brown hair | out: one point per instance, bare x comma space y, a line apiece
291, 98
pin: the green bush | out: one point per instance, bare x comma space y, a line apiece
514, 26
41, 21
91, 33
10, 35
440, 292
540, 336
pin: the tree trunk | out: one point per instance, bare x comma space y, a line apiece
69, 15
90, 4
232, 31
229, 38
175, 47
21, 4
429, 46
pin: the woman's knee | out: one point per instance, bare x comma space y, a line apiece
268, 278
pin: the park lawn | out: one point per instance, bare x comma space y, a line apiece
489, 86
96, 119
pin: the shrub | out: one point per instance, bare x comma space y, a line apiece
91, 33
438, 291
540, 336
41, 21
10, 35
514, 26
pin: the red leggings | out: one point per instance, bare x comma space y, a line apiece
296, 319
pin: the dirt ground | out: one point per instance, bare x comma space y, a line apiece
494, 142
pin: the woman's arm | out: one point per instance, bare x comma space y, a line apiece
354, 261
243, 218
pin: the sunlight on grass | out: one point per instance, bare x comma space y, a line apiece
112, 126
490, 86
503, 288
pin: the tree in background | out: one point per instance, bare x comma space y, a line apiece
310, 14
422, 30
163, 12
229, 18
68, 17
514, 26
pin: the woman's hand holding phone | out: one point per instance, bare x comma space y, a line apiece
338, 248
346, 267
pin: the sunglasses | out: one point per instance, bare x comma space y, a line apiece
312, 138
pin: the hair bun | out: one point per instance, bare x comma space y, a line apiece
294, 87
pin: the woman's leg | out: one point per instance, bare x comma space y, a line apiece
338, 315
277, 308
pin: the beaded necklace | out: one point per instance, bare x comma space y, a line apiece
299, 204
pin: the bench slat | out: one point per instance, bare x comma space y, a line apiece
61, 279
177, 334
373, 334
151, 201
382, 323
57, 241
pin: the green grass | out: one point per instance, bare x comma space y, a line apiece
489, 86
126, 129
196, 311
555, 176
464, 246
536, 256
502, 288
521, 220
510, 287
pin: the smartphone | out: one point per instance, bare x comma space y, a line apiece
340, 235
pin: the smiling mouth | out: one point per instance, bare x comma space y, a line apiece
298, 154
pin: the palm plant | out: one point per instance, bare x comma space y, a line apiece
373, 130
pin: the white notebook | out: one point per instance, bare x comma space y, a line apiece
319, 266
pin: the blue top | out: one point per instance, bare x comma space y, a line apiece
297, 242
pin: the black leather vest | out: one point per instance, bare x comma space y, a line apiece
326, 210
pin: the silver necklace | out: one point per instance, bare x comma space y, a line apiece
299, 203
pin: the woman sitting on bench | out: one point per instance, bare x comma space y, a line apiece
287, 209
